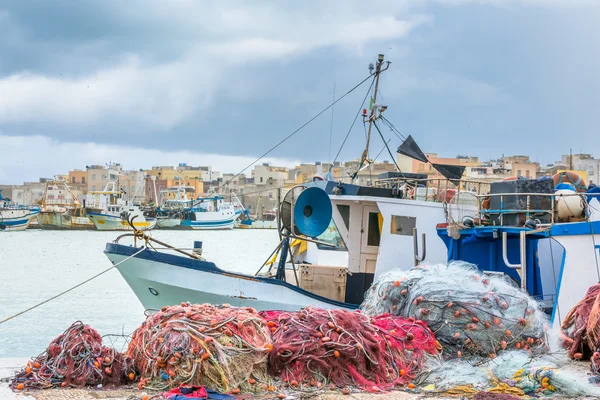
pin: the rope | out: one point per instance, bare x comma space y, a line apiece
393, 128
595, 248
72, 288
353, 122
388, 149
294, 132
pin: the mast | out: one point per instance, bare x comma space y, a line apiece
372, 116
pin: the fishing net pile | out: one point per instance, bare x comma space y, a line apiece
314, 347
581, 329
75, 358
513, 373
224, 348
472, 314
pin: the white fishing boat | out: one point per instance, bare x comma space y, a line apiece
109, 212
211, 212
338, 238
13, 217
60, 209
173, 205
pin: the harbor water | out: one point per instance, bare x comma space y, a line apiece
36, 265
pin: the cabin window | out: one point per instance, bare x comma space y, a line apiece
401, 225
331, 236
373, 232
345, 213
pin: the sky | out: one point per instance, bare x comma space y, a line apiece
153, 82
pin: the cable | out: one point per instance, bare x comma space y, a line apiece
296, 131
388, 148
353, 122
73, 288
393, 128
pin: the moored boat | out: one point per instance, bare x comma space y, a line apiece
211, 212
343, 236
109, 212
13, 217
60, 209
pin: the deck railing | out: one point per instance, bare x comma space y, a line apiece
527, 211
435, 189
477, 193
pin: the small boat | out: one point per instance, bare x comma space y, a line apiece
211, 212
268, 220
13, 217
109, 212
60, 209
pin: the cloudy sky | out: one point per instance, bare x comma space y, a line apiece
146, 82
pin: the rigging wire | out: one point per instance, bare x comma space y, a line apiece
393, 128
331, 125
353, 122
388, 148
294, 132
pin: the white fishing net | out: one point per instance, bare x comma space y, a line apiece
513, 372
471, 313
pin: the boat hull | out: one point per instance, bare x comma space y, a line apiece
160, 279
166, 223
106, 222
258, 225
59, 221
15, 220
208, 224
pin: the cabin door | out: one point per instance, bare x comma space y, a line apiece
370, 238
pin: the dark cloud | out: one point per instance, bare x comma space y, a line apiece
234, 79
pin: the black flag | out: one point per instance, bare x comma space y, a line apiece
452, 172
410, 148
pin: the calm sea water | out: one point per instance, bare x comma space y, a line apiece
36, 265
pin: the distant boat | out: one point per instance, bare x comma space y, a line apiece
174, 203
109, 212
268, 221
60, 209
210, 213
13, 217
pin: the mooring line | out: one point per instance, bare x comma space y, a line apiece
71, 289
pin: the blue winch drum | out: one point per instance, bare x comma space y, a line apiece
312, 212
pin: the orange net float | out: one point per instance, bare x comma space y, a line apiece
314, 347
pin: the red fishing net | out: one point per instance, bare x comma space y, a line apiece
581, 326
220, 347
313, 347
75, 358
